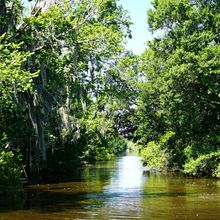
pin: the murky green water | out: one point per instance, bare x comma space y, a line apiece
118, 190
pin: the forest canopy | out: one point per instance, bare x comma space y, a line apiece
62, 90
71, 93
180, 102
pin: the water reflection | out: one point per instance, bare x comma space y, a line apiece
128, 178
125, 188
118, 189
177, 197
121, 193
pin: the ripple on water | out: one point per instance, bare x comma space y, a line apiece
118, 189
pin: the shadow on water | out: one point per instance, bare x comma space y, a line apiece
42, 201
59, 194
50, 201
117, 189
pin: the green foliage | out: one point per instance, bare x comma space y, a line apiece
181, 87
206, 164
117, 144
101, 140
155, 154
10, 171
217, 171
68, 89
60, 80
13, 77
110, 148
133, 147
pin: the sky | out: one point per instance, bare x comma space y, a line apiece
137, 9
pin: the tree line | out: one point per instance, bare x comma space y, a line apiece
70, 91
179, 105
60, 83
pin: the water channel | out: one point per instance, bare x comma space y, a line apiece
118, 189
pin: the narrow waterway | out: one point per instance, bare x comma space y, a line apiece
117, 189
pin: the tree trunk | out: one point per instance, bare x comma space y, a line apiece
37, 123
44, 5
3, 26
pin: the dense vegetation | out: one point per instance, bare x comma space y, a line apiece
179, 105
70, 92
61, 87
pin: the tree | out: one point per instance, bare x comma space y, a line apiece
67, 57
182, 68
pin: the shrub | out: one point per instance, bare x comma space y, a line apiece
10, 172
155, 154
105, 149
217, 171
206, 164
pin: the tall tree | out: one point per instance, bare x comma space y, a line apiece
182, 69
71, 50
